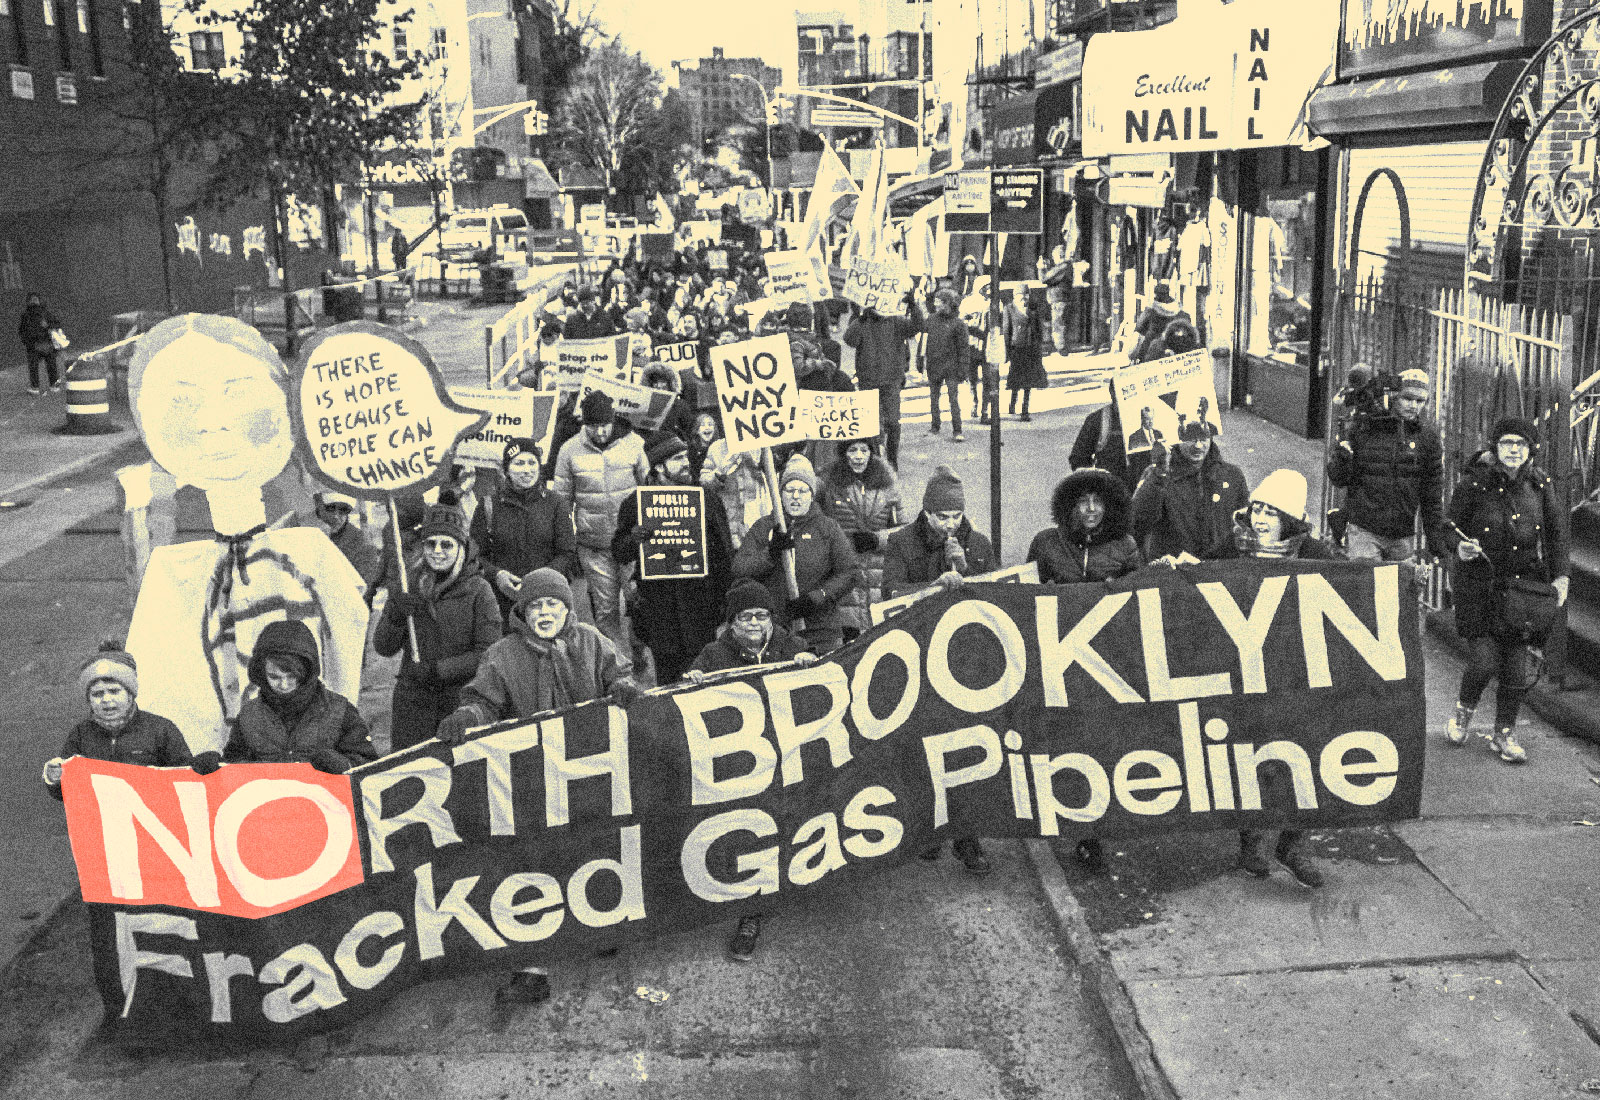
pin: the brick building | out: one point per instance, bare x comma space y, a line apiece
719, 96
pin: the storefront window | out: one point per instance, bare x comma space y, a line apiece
1281, 253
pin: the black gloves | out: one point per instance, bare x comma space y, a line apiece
624, 692
327, 760
206, 763
453, 730
865, 542
779, 541
808, 604
407, 603
869, 314
426, 672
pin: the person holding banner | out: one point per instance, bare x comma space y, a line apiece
825, 563
522, 526
456, 619
882, 360
1090, 540
862, 494
940, 546
676, 617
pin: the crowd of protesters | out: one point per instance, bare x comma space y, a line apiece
487, 622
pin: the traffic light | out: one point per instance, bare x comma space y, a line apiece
772, 112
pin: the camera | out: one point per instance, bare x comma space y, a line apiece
1366, 392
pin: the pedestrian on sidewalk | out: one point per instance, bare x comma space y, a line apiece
548, 660
1511, 543
36, 329
1153, 320
862, 494
882, 360
522, 525
752, 636
1390, 464
456, 618
948, 355
1026, 338
1274, 526
1185, 504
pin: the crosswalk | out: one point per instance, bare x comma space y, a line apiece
1075, 380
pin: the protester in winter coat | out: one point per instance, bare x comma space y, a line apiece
1090, 540
676, 617
456, 618
1101, 444
862, 494
940, 546
679, 421
825, 563
1273, 526
596, 471
589, 321
1152, 321
1177, 337
949, 356
800, 317
738, 480
116, 729
548, 660
1185, 505
334, 510
34, 331
1508, 524
522, 525
882, 360
1027, 338
1391, 466
293, 718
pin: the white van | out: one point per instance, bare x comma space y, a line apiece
504, 229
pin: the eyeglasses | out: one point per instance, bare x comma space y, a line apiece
753, 618
1512, 441
440, 544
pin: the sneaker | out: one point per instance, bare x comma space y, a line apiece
57, 387
743, 945
36, 391
1456, 730
970, 853
524, 989
959, 437
1505, 743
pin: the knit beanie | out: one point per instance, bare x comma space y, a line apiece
799, 315
444, 519
112, 662
1193, 431
799, 469
597, 408
1514, 425
515, 447
664, 448
544, 582
944, 492
745, 596
1414, 383
1284, 490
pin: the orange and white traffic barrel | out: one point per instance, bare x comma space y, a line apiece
88, 399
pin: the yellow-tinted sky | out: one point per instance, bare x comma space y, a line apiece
674, 30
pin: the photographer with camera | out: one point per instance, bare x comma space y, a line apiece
1390, 463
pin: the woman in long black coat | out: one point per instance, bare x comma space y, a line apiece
1027, 336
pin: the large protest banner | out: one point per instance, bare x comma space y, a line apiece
756, 393
513, 414
840, 416
1156, 399
789, 276
1221, 696
570, 360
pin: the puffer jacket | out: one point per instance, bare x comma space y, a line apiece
824, 561
147, 739
1189, 508
520, 531
680, 418
596, 481
1393, 469
914, 555
522, 675
1522, 525
724, 653
319, 720
461, 623
869, 503
1064, 556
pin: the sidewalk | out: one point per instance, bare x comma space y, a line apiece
1456, 956
32, 454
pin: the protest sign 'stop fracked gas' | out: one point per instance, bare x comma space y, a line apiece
376, 418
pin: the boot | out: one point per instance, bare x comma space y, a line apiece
970, 852
1291, 853
1252, 852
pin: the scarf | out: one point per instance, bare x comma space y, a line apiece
239, 550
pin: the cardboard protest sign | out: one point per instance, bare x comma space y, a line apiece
840, 416
646, 408
691, 233
1249, 694
756, 393
683, 353
1156, 399
1015, 574
789, 277
513, 414
879, 284
374, 412
755, 204
567, 361
674, 519
717, 260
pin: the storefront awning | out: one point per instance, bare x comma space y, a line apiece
1463, 96
538, 183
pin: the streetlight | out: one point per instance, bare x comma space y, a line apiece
766, 122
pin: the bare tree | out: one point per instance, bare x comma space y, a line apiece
607, 111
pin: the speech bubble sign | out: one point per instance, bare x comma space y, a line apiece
375, 417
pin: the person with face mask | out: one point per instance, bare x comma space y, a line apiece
825, 563
522, 525
1186, 502
1509, 537
116, 729
1090, 539
1273, 526
597, 471
862, 494
676, 617
293, 717
334, 511
547, 661
456, 619
940, 546
1391, 466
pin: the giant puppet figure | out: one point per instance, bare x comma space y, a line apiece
211, 399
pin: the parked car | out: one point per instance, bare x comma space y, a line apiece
500, 229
